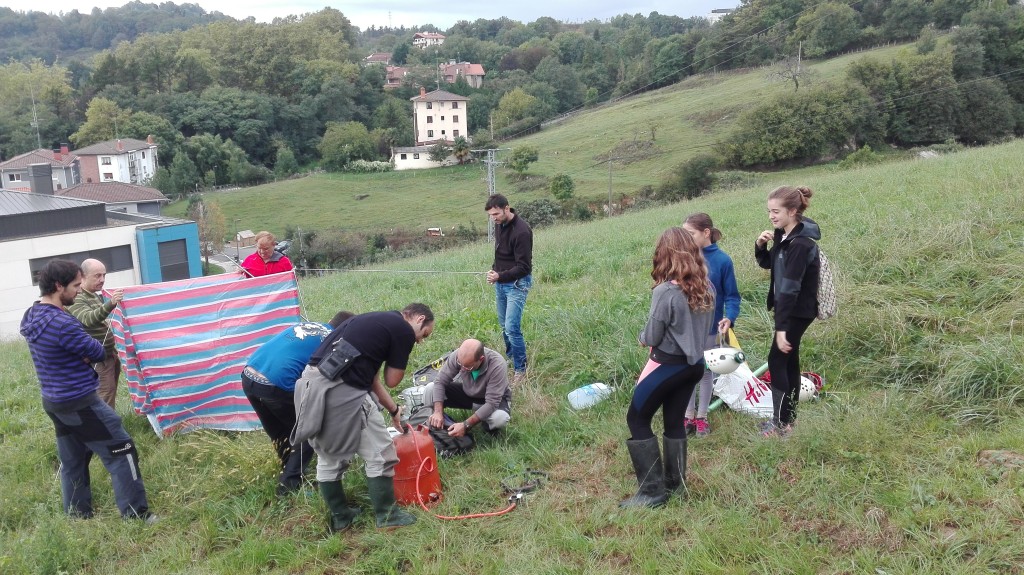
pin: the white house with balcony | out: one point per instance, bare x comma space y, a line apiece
424, 39
123, 160
439, 117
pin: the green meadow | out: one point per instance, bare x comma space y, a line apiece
649, 135
910, 463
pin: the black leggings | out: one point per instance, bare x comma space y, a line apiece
785, 372
668, 387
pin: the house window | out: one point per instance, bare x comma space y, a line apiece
455, 133
430, 133
14, 177
402, 156
455, 119
173, 260
116, 258
143, 155
415, 156
430, 105
442, 132
108, 176
430, 119
105, 160
455, 105
442, 118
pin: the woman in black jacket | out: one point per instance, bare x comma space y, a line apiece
793, 294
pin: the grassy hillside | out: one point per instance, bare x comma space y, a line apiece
683, 120
887, 474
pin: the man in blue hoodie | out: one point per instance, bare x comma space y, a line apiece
63, 353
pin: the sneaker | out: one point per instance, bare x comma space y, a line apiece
689, 426
768, 429
701, 427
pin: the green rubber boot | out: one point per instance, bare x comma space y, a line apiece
341, 515
387, 512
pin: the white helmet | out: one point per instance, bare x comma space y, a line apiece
808, 390
722, 360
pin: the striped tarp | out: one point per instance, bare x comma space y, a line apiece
183, 345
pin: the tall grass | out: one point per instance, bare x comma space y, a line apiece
923, 367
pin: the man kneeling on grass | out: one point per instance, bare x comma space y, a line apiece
474, 377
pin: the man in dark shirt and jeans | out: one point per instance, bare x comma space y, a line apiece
510, 274
63, 353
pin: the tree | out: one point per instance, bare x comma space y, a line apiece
513, 107
985, 112
183, 177
343, 143
521, 158
439, 152
285, 164
791, 70
461, 149
102, 119
562, 187
212, 227
829, 28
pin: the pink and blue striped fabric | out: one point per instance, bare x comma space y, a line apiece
183, 345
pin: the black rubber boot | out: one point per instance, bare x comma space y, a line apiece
386, 511
675, 464
341, 515
649, 474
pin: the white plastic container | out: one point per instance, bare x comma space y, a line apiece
588, 395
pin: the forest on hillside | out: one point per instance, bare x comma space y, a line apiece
234, 101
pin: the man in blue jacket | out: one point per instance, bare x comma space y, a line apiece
268, 382
63, 353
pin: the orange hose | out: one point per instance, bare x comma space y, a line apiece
419, 499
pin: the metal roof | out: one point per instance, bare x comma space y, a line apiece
14, 203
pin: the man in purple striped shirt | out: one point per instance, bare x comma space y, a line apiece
63, 353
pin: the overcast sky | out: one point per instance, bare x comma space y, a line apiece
364, 13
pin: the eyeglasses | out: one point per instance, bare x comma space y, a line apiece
470, 367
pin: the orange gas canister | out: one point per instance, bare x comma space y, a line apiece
416, 458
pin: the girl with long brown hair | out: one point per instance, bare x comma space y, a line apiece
682, 310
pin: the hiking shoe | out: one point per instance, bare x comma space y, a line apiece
689, 426
701, 427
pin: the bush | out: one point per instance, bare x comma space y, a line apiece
862, 157
561, 187
368, 167
539, 213
689, 179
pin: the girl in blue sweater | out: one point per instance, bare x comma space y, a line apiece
727, 309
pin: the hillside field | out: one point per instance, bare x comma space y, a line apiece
891, 472
684, 120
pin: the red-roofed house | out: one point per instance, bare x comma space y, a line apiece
473, 73
65, 165
395, 75
439, 116
125, 160
423, 39
119, 197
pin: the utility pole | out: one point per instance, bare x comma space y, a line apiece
491, 163
610, 210
35, 118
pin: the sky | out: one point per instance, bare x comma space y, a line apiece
408, 13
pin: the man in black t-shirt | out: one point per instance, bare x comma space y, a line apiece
339, 417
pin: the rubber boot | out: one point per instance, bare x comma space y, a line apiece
649, 474
341, 515
675, 464
387, 512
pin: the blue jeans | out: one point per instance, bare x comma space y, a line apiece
511, 299
86, 426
